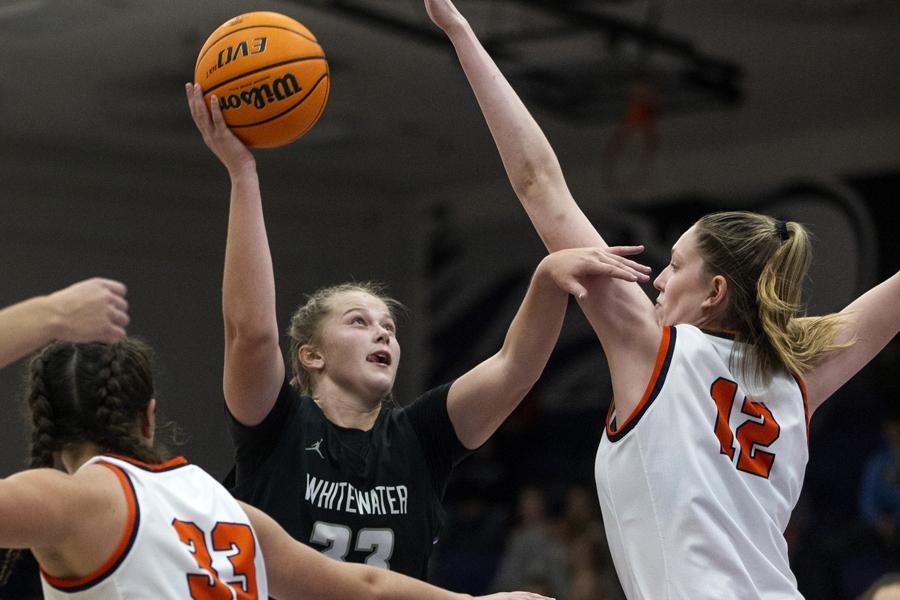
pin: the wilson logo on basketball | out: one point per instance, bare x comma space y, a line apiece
230, 53
259, 96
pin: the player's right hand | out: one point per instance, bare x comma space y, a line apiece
569, 267
216, 134
94, 310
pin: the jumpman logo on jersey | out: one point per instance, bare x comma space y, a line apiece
317, 447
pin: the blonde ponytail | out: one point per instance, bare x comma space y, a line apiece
765, 262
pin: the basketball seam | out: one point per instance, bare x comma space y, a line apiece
208, 46
265, 68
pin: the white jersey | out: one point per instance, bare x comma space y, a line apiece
697, 485
186, 538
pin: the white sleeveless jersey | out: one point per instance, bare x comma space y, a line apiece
697, 485
186, 538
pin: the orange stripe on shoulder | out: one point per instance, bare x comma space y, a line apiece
661, 356
169, 464
122, 547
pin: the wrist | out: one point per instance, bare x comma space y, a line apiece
246, 171
52, 319
459, 27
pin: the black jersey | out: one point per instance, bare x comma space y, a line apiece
370, 497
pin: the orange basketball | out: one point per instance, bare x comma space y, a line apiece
269, 74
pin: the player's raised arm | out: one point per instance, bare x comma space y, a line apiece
479, 401
530, 162
297, 572
620, 312
87, 311
254, 367
869, 323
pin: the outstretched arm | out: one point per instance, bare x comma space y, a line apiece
94, 310
479, 401
872, 320
298, 572
530, 162
254, 366
619, 311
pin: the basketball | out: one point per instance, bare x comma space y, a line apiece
269, 74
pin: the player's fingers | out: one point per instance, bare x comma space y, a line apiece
626, 250
625, 262
120, 318
198, 110
115, 334
575, 288
116, 287
615, 270
216, 112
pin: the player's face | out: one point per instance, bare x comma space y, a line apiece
683, 285
359, 344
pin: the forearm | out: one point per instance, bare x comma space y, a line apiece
25, 327
534, 331
527, 155
248, 285
479, 401
380, 584
530, 162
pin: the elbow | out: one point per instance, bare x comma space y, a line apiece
529, 178
375, 584
247, 334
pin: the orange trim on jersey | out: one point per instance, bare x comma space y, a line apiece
178, 461
121, 549
657, 369
802, 385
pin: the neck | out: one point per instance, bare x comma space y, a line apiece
74, 456
346, 409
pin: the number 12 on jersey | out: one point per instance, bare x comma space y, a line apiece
759, 431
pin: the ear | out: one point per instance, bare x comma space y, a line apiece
310, 357
718, 290
148, 427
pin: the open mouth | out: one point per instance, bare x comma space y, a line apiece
381, 358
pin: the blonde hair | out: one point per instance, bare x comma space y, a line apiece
305, 325
765, 262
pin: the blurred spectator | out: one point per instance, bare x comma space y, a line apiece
879, 500
534, 552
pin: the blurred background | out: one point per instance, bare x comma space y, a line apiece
659, 112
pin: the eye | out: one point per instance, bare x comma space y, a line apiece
390, 327
357, 320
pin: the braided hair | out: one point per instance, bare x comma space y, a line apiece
94, 393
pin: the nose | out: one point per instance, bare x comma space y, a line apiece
383, 334
660, 282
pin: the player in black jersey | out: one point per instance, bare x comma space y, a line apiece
318, 449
